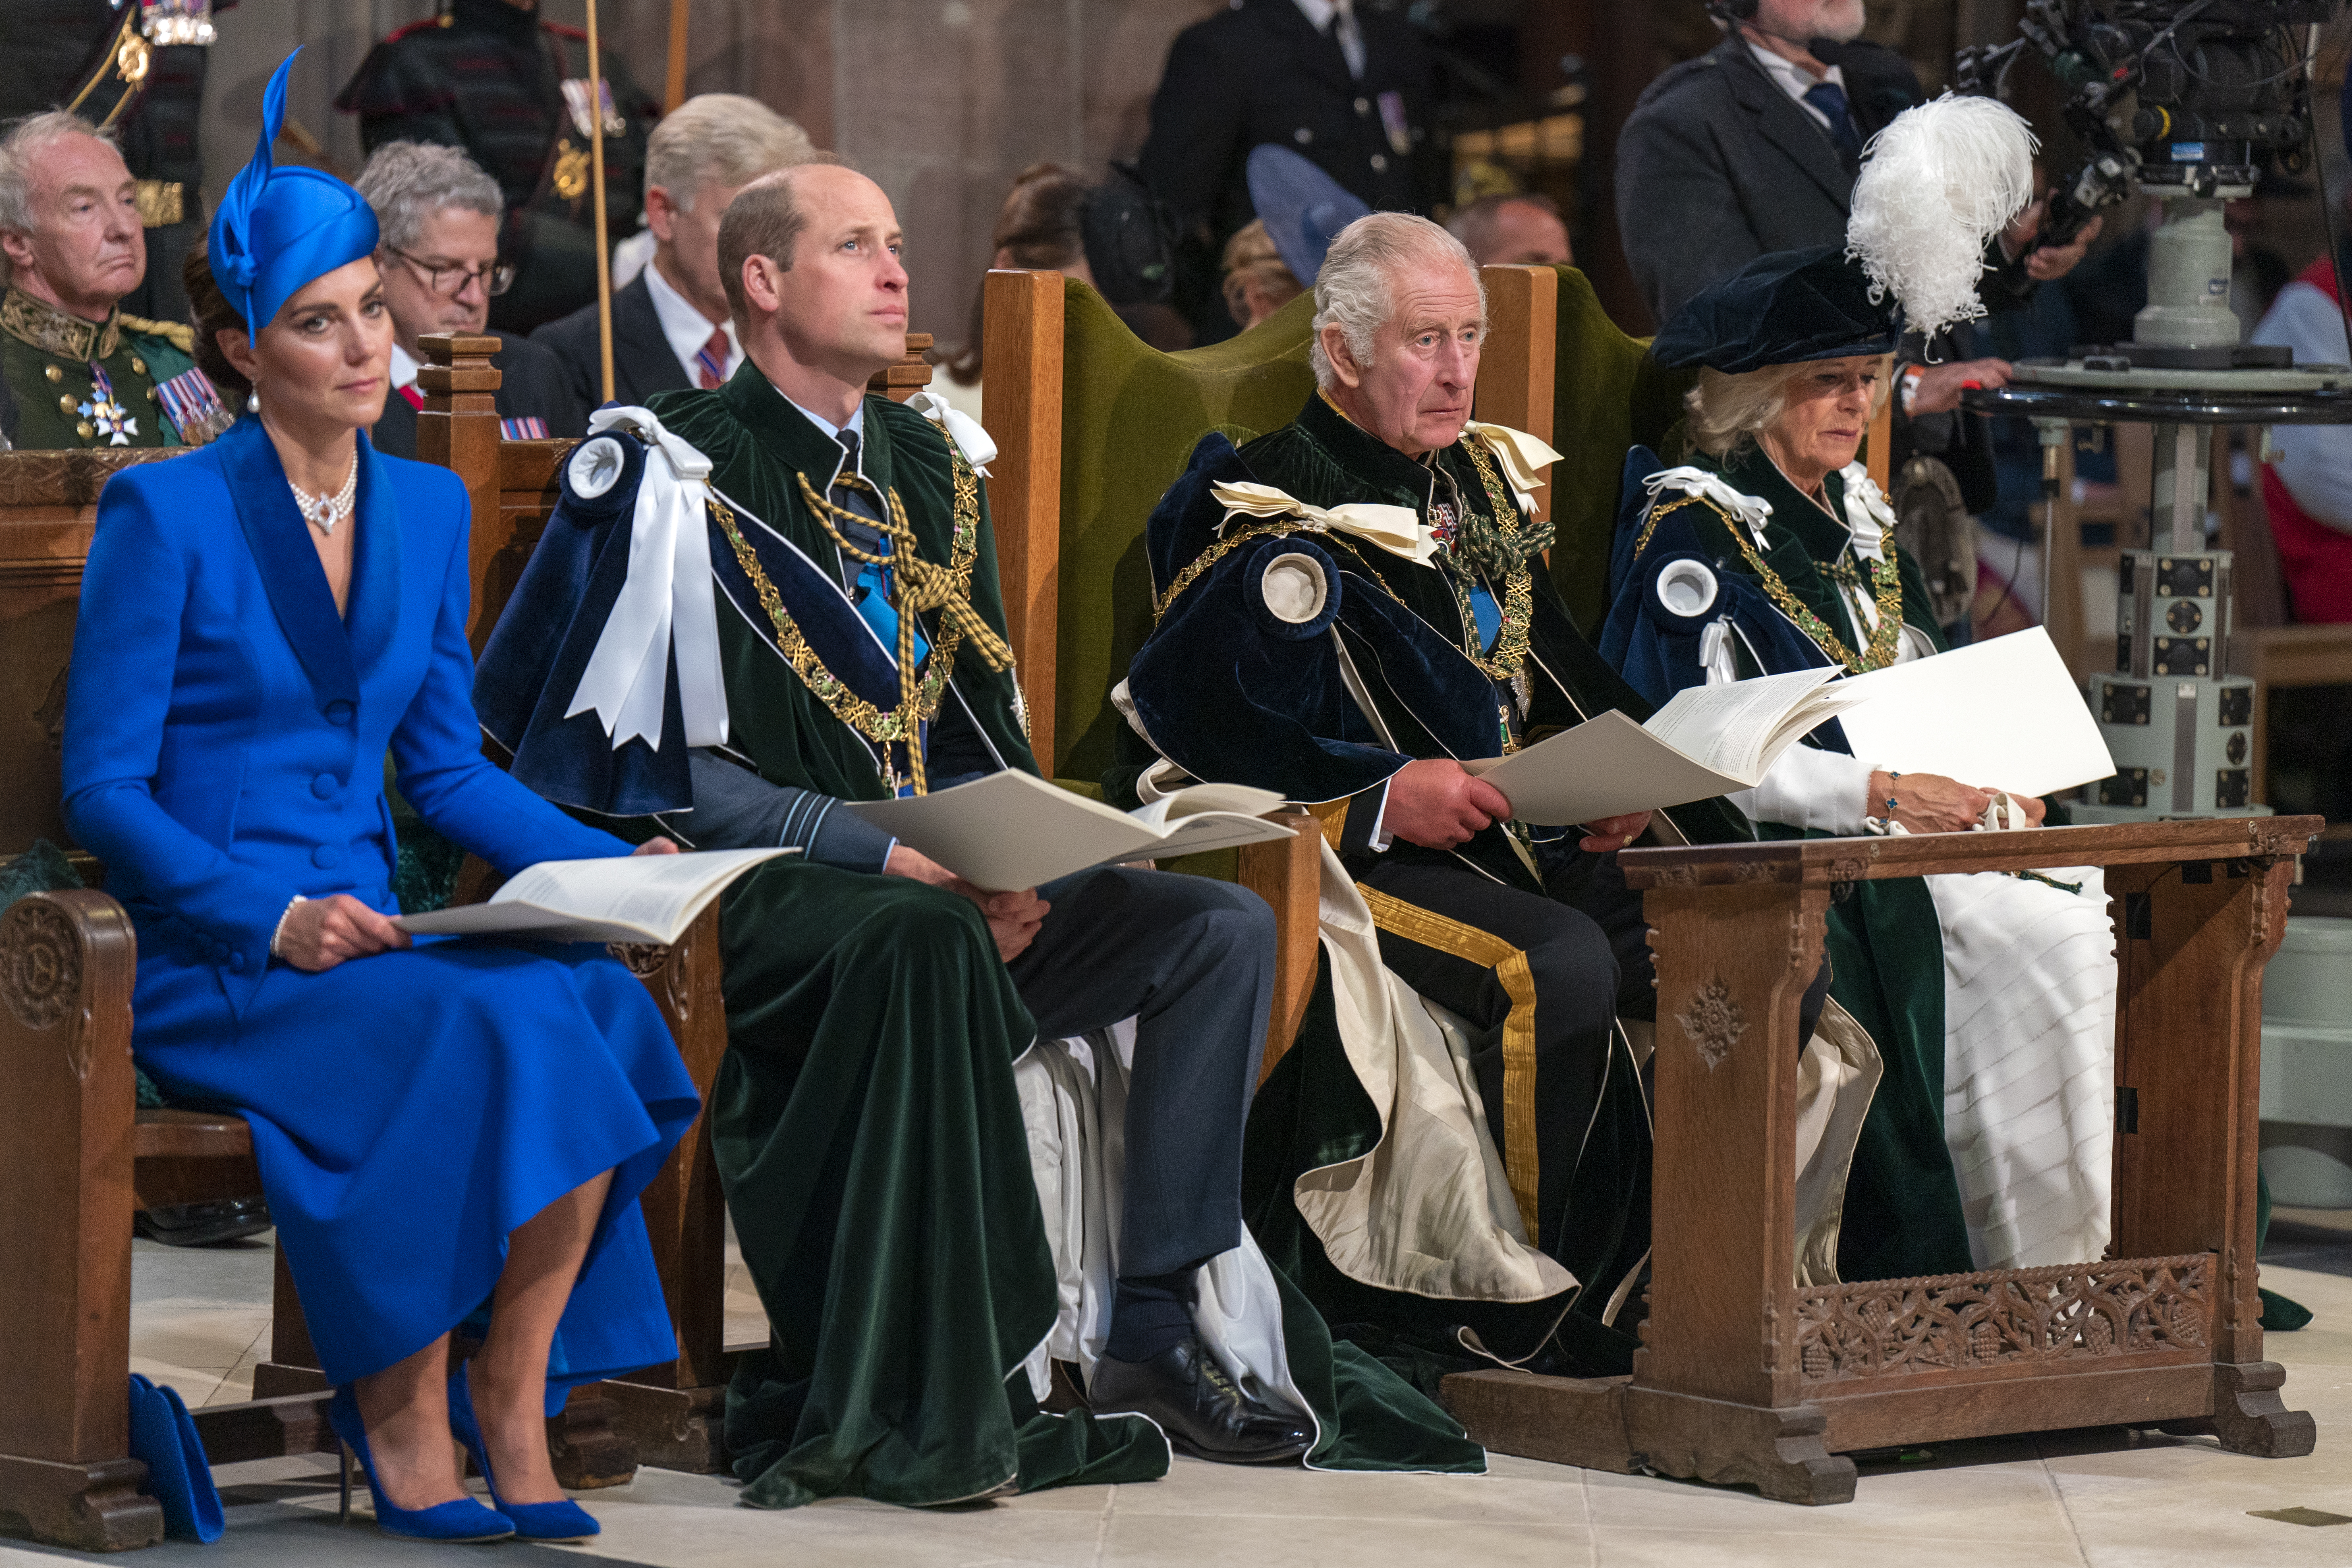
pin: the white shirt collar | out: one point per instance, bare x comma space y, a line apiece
1791, 77
403, 369
856, 426
1319, 14
686, 327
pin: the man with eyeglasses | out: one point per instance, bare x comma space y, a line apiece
439, 214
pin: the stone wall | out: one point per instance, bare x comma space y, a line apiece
942, 101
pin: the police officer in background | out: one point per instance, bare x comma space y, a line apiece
489, 77
1347, 84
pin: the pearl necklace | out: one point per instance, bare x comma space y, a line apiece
323, 512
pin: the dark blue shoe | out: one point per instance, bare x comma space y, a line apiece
565, 1520
464, 1520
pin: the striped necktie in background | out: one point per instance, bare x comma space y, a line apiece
711, 362
1829, 98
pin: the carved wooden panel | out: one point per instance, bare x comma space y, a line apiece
1951, 1322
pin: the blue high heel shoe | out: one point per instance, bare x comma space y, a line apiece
463, 1520
552, 1522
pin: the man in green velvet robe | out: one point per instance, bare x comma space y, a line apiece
866, 1118
1350, 608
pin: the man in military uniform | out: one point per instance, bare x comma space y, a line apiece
84, 373
489, 77
139, 71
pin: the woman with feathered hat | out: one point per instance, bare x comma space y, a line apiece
1991, 998
447, 1132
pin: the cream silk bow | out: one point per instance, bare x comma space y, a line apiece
666, 599
1524, 457
1395, 528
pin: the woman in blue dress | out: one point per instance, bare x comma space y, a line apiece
444, 1129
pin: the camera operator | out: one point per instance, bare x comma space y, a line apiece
1754, 147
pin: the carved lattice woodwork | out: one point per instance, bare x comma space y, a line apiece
2074, 1312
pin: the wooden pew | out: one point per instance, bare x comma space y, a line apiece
1746, 1377
76, 1158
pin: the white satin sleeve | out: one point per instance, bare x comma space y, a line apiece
1809, 787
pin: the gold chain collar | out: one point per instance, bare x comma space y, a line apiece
45, 327
918, 700
1885, 587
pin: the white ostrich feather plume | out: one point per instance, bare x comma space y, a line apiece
1936, 185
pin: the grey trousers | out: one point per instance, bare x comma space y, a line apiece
1192, 960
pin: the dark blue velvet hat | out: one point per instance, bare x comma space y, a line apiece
1783, 309
279, 229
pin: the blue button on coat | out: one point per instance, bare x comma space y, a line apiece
409, 1109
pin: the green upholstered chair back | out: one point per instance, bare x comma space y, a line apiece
1608, 398
1131, 415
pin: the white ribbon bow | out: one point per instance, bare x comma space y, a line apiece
1522, 457
1750, 509
1395, 528
667, 600
961, 428
1867, 514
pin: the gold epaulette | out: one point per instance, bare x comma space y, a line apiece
179, 334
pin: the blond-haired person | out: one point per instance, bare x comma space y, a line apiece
670, 325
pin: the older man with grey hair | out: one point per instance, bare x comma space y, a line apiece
1374, 612
671, 326
72, 246
438, 215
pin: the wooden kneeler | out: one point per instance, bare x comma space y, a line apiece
1745, 1377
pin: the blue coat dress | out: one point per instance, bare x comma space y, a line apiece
226, 732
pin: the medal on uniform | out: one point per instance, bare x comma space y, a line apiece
105, 416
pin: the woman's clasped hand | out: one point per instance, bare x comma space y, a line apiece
1930, 803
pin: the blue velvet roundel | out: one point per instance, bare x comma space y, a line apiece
278, 229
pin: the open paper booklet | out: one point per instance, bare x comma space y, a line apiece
1012, 830
1708, 739
2002, 714
632, 898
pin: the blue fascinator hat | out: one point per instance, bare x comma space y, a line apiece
279, 229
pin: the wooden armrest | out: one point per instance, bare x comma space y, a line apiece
1287, 874
1815, 862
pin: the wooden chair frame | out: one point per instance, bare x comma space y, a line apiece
1022, 381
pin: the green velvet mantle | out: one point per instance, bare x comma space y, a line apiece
865, 1120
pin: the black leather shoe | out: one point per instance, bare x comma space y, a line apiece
204, 1225
1188, 1393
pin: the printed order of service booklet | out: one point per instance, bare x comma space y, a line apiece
1012, 830
628, 899
2002, 714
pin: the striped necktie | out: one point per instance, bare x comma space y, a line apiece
711, 362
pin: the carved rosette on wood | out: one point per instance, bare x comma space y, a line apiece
663, 969
40, 965
1714, 1022
2074, 1311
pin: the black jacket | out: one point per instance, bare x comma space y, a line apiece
1261, 72
643, 363
531, 385
1718, 166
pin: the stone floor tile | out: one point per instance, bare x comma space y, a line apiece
1515, 1491
1627, 1546
225, 1275
1193, 1541
1991, 1489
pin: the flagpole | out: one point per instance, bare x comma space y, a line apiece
596, 177
676, 92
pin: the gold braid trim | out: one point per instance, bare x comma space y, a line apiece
1885, 586
919, 702
1518, 589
